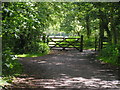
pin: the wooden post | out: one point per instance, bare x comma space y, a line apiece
43, 38
95, 43
81, 43
101, 43
47, 39
99, 47
118, 63
119, 55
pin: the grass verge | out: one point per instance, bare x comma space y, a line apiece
31, 55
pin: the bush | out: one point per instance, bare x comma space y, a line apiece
39, 48
44, 48
89, 43
10, 64
110, 54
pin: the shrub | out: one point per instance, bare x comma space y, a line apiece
39, 48
44, 48
10, 64
110, 54
89, 43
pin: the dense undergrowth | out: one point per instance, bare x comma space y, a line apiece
110, 54
10, 64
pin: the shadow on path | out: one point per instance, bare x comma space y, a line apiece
67, 70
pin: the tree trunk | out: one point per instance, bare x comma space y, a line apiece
101, 33
113, 29
109, 35
88, 26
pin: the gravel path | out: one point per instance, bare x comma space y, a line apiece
67, 70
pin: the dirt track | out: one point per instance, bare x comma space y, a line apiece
67, 70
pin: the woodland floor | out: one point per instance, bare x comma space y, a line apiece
67, 70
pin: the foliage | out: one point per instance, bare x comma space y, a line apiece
110, 54
3, 82
10, 64
23, 23
38, 49
89, 43
44, 48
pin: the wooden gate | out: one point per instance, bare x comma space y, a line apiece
65, 43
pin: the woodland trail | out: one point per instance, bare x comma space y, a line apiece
67, 70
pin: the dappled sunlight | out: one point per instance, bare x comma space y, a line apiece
107, 70
42, 62
82, 59
49, 63
68, 69
80, 82
55, 63
70, 82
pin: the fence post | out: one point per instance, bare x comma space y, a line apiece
95, 43
100, 43
81, 43
47, 39
0, 55
43, 38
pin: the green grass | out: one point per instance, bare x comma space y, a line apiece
92, 48
31, 55
108, 60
